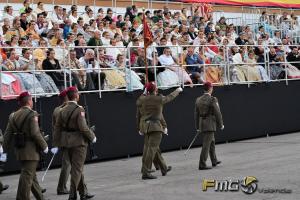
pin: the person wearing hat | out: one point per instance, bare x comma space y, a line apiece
72, 133
65, 164
158, 159
207, 118
23, 129
2, 187
149, 122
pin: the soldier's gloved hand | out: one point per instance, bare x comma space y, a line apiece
46, 150
179, 89
141, 133
222, 128
54, 150
94, 140
166, 131
3, 157
1, 149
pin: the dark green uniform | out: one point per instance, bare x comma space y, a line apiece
29, 155
65, 163
158, 159
207, 118
149, 121
72, 133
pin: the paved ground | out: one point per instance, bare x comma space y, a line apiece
274, 161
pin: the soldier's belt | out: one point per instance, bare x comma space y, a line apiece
152, 120
70, 130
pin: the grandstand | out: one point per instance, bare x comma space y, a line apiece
44, 45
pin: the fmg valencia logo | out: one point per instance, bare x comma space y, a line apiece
248, 185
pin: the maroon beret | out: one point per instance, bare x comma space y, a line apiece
207, 85
150, 87
22, 95
72, 89
63, 94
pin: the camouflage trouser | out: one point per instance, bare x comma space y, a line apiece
152, 153
208, 147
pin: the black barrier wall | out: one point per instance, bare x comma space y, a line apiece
248, 112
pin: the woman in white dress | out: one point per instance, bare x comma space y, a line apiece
173, 75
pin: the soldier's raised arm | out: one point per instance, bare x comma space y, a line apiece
35, 132
83, 127
172, 96
217, 112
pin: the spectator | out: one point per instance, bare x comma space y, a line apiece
194, 65
15, 30
96, 40
57, 15
8, 13
92, 68
74, 16
241, 40
87, 16
41, 26
109, 15
80, 51
294, 57
167, 60
23, 20
31, 29
51, 63
40, 8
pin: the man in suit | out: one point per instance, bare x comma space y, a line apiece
23, 129
149, 122
207, 118
2, 187
72, 133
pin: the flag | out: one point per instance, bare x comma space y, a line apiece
148, 37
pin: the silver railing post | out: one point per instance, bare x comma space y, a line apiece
99, 73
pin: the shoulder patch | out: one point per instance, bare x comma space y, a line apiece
36, 119
82, 114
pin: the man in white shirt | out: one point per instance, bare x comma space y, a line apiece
57, 15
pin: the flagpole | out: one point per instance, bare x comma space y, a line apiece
145, 46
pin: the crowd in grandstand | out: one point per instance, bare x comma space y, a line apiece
42, 51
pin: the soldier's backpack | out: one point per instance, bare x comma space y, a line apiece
19, 135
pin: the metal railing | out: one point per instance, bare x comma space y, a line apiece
225, 69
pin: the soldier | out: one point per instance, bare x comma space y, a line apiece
207, 118
72, 133
158, 160
65, 165
2, 187
23, 129
149, 122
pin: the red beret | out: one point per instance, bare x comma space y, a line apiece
22, 95
150, 87
63, 93
72, 89
207, 85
